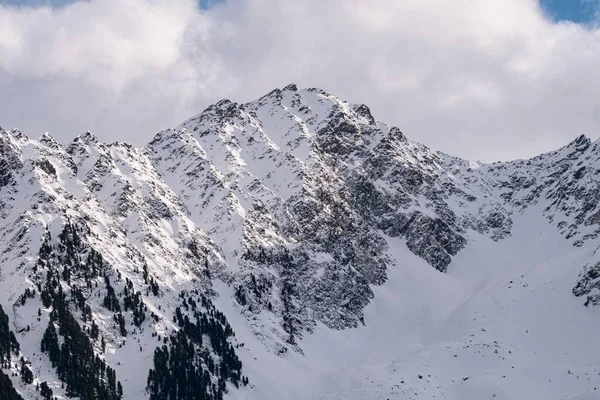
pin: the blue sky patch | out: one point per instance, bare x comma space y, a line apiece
578, 11
206, 4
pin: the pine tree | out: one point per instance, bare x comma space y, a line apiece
184, 368
82, 372
7, 390
26, 374
45, 391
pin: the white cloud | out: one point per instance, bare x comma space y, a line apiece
488, 79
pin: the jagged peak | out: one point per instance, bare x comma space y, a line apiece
340, 108
274, 95
328, 214
275, 92
224, 107
316, 90
578, 145
291, 88
49, 140
396, 133
14, 133
89, 137
224, 102
364, 111
122, 144
159, 137
86, 138
166, 135
582, 140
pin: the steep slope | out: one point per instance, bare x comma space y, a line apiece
95, 254
298, 242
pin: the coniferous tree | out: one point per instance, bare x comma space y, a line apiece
45, 391
9, 347
82, 372
7, 390
110, 300
26, 374
8, 341
186, 367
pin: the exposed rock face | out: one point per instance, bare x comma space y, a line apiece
588, 282
287, 199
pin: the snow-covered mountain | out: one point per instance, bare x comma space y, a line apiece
295, 248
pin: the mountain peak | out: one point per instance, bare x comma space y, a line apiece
581, 140
14, 133
86, 138
225, 244
225, 104
291, 88
49, 141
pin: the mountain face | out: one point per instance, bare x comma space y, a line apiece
295, 248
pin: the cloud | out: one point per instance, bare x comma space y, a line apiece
485, 80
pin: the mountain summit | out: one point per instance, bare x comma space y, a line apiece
295, 248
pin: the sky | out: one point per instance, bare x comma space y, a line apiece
578, 11
485, 80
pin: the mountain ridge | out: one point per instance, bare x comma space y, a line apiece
291, 200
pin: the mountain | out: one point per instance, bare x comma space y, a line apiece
295, 248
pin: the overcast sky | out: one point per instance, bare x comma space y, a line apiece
488, 80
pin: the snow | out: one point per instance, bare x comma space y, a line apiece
502, 323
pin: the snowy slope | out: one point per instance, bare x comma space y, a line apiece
502, 323
350, 262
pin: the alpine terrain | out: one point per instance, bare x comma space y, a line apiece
295, 248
